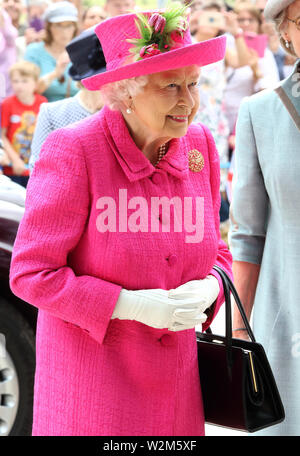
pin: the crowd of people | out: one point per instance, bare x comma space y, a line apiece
54, 76
34, 67
40, 32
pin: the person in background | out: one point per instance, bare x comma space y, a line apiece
19, 113
35, 12
15, 9
34, 32
58, 114
8, 51
92, 16
50, 55
259, 75
264, 234
118, 7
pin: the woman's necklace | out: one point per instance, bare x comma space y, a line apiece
161, 152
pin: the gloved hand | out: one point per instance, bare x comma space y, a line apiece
155, 308
204, 291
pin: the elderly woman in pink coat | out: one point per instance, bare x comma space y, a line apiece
118, 242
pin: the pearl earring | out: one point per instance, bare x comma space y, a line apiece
287, 44
129, 111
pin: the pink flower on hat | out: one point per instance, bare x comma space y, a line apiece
176, 39
149, 51
158, 22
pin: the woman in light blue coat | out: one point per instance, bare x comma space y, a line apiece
265, 220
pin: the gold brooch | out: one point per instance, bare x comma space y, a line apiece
196, 160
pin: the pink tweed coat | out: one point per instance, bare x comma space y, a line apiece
94, 375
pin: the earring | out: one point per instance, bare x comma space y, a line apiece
129, 111
287, 44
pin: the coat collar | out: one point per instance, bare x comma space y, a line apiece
133, 162
289, 93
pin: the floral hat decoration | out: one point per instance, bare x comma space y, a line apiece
151, 42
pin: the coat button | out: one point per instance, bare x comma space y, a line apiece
167, 340
156, 178
172, 260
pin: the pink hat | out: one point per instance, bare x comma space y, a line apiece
150, 42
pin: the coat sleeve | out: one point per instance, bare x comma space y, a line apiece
249, 207
224, 258
56, 211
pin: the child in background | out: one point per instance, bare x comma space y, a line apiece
19, 114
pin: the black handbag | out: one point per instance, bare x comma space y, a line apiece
238, 387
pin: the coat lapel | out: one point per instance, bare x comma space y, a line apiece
133, 162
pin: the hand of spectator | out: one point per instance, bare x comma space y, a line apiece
268, 29
62, 62
253, 57
231, 23
253, 64
41, 35
18, 166
31, 35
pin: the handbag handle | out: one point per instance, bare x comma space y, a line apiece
230, 288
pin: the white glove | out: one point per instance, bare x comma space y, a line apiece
204, 291
155, 308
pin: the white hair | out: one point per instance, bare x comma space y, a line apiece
114, 93
280, 21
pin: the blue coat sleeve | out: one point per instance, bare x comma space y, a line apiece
249, 207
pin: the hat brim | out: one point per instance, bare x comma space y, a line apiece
274, 7
201, 54
62, 19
